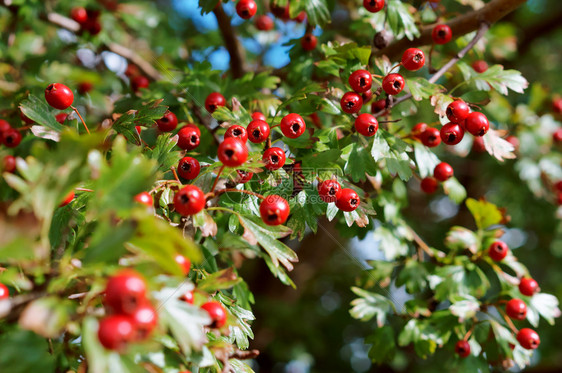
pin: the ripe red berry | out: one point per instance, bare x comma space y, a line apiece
457, 111
274, 158
329, 190
308, 42
478, 145
417, 130
217, 313
4, 126
256, 115
413, 59
189, 137
431, 137
378, 106
292, 125
557, 105
281, 12
367, 96
348, 200
184, 263
441, 34
373, 6
244, 176
61, 117
258, 131
11, 138
85, 87
451, 133
393, 84
498, 250
188, 168
188, 297
189, 200
477, 124
429, 185
274, 210
360, 81
115, 332
139, 82
237, 132
69, 197
443, 171
168, 122
300, 18
4, 292
213, 101
59, 96
9, 163
516, 309
462, 348
145, 198
366, 124
264, 23
351, 103
232, 152
132, 70
79, 14
528, 339
480, 66
144, 320
528, 286
125, 291
557, 136
246, 8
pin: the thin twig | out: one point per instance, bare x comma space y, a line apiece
82, 119
217, 179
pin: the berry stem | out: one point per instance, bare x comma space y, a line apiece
84, 190
377, 76
507, 320
394, 67
469, 333
21, 129
82, 119
175, 174
217, 179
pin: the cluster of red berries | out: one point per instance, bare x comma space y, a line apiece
9, 136
137, 80
346, 199
88, 19
441, 173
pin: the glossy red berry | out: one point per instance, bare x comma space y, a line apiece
188, 168
232, 152
462, 348
558, 186
366, 124
59, 96
144, 198
168, 122
367, 96
516, 309
274, 210
308, 42
431, 137
144, 320
9, 163
132, 70
184, 263
498, 250
378, 106
477, 124
139, 82
217, 313
557, 136
329, 190
443, 171
351, 103
256, 115
189, 200
457, 111
264, 23
213, 101
451, 133
441, 34
4, 126
292, 125
393, 84
61, 117
188, 297
258, 131
237, 132
246, 8
478, 145
413, 59
189, 137
373, 6
115, 332
348, 200
429, 185
67, 199
528, 286
11, 138
85, 87
418, 129
528, 339
557, 105
4, 292
274, 158
360, 81
79, 14
125, 291
480, 66
300, 18
244, 176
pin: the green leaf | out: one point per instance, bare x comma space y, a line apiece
501, 80
317, 12
370, 305
383, 346
163, 151
413, 276
426, 160
498, 147
545, 305
393, 150
485, 214
461, 238
207, 6
455, 190
421, 88
23, 352
465, 309
389, 243
37, 110
401, 21
223, 279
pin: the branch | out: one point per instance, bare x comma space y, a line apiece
231, 43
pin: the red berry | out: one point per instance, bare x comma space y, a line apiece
11, 138
292, 125
373, 6
429, 185
513, 141
557, 105
132, 70
418, 129
477, 124
9, 163
451, 133
441, 34
4, 126
516, 309
189, 137
360, 81
125, 291
528, 339
217, 313
61, 117
213, 101
431, 137
558, 186
238, 132
366, 124
478, 145
528, 286
498, 250
59, 96
144, 320
443, 171
184, 263
457, 111
168, 122
188, 168
264, 23
413, 59
378, 106
139, 82
480, 66
232, 152
557, 136
281, 12
367, 96
246, 8
244, 176
274, 210
351, 102
274, 158
189, 200
69, 197
188, 297
308, 42
79, 14
256, 115
115, 332
258, 131
462, 348
145, 198
85, 87
348, 200
300, 18
4, 292
329, 190
393, 84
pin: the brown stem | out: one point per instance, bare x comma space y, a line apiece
175, 174
82, 119
217, 179
231, 43
83, 190
507, 320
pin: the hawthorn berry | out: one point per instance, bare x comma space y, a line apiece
378, 106
4, 126
189, 137
11, 137
258, 131
217, 313
189, 200
132, 70
59, 96
393, 84
417, 130
477, 124
9, 163
351, 103
366, 124
115, 332
382, 39
67, 199
264, 23
213, 101
280, 11
274, 158
300, 18
246, 8
184, 263
558, 186
441, 34
451, 133
431, 137
256, 115
329, 190
188, 168
498, 250
443, 171
274, 210
232, 152
168, 122
85, 87
144, 320
244, 176
516, 309
360, 81
237, 132
139, 82
462, 348
457, 111
308, 42
144, 198
61, 117
79, 14
429, 185
292, 125
513, 140
4, 291
373, 6
528, 339
188, 297
557, 136
413, 59
528, 286
478, 145
348, 200
557, 105
367, 96
480, 66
